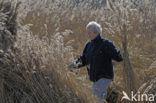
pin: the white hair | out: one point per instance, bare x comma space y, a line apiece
94, 26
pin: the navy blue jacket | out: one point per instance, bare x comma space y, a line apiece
97, 56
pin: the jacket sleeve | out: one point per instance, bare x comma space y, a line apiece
81, 61
114, 53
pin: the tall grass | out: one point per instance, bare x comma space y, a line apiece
139, 33
51, 34
27, 68
53, 56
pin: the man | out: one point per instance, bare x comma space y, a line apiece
97, 56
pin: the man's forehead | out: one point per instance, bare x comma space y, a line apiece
89, 29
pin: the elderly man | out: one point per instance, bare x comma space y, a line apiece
97, 57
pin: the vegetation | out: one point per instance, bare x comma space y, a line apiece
39, 38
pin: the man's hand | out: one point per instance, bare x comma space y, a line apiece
71, 66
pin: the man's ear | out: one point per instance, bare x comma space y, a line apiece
96, 33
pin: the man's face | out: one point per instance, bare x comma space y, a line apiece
91, 34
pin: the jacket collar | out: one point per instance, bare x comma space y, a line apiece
96, 39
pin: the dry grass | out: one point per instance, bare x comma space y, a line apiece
52, 34
27, 71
